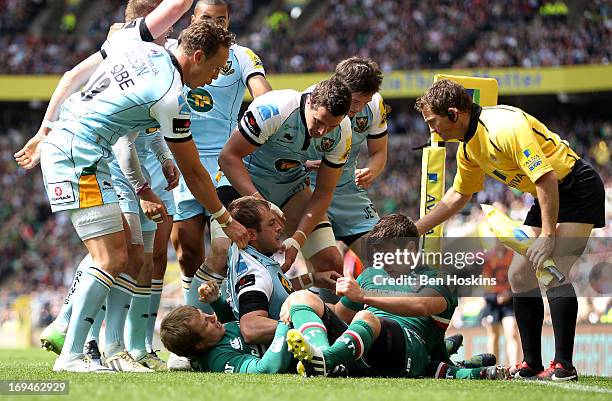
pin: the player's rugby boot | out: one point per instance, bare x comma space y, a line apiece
312, 362
52, 339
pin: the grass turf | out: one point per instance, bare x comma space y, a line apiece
35, 364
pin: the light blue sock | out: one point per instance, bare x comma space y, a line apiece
186, 283
88, 299
117, 305
136, 324
63, 317
156, 293
203, 275
94, 331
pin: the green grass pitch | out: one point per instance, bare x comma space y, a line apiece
36, 364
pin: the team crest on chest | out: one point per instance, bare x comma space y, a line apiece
361, 124
327, 144
227, 69
236, 343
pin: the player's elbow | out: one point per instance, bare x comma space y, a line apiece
249, 333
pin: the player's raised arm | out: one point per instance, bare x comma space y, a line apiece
29, 156
166, 15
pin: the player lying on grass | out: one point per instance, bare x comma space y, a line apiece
397, 332
215, 347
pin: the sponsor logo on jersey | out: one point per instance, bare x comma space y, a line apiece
267, 111
516, 180
61, 193
432, 177
384, 111
531, 160
347, 150
245, 282
151, 130
200, 100
250, 123
327, 144
256, 60
285, 165
361, 124
227, 68
242, 267
184, 109
181, 125
285, 283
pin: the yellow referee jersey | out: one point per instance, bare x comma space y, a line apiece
512, 147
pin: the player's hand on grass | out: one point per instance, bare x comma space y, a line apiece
540, 250
363, 177
172, 174
310, 165
349, 287
237, 233
28, 157
326, 279
208, 292
152, 206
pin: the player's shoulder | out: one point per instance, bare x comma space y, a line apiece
277, 102
503, 121
245, 55
171, 44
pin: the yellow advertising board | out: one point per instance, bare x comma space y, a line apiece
397, 84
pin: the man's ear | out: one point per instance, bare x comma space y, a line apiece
252, 234
192, 20
198, 56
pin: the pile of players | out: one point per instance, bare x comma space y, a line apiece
109, 155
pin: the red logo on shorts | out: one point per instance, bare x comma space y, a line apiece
58, 191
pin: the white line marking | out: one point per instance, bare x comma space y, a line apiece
572, 386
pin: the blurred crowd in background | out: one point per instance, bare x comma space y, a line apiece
39, 251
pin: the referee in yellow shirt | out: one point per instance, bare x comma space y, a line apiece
513, 147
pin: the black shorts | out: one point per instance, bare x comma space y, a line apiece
387, 355
582, 199
334, 325
494, 312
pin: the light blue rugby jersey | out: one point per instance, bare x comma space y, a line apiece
369, 123
275, 122
137, 86
215, 107
250, 270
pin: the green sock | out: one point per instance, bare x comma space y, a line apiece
306, 320
351, 345
442, 370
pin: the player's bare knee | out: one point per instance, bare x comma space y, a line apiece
305, 297
521, 274
370, 319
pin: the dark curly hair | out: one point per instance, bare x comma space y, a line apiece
443, 95
333, 94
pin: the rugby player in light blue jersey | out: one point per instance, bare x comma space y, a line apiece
264, 157
136, 87
133, 286
352, 213
214, 114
